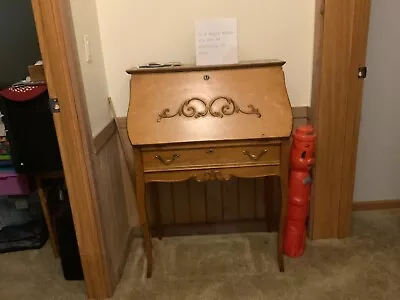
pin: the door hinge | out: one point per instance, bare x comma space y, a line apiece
54, 105
362, 72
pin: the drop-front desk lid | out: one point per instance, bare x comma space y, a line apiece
209, 103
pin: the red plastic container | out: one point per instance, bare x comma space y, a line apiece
12, 184
302, 159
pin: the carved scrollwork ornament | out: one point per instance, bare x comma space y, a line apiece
188, 109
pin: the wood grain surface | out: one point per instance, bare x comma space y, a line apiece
336, 110
212, 112
104, 136
230, 192
203, 157
113, 208
58, 46
188, 68
249, 90
353, 116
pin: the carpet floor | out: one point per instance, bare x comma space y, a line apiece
238, 266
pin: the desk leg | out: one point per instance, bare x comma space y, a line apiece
47, 217
284, 179
141, 204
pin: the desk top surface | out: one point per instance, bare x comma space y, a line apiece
189, 67
206, 104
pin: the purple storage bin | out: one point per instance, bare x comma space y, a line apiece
12, 184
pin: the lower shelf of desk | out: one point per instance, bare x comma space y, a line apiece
231, 227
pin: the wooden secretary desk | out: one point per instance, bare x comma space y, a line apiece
209, 123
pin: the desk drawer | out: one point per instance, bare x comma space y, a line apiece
207, 157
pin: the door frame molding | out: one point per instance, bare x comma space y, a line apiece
57, 41
341, 33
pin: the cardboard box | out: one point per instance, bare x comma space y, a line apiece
36, 73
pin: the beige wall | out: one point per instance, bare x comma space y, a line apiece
136, 31
378, 158
86, 23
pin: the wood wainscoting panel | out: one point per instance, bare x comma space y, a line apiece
300, 112
129, 191
198, 205
230, 200
214, 213
103, 136
181, 202
260, 198
272, 190
121, 126
166, 203
150, 204
300, 122
214, 202
247, 198
300, 115
113, 208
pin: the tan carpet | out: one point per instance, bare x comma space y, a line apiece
239, 266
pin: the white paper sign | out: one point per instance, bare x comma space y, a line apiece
216, 42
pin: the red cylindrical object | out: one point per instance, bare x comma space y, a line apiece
302, 157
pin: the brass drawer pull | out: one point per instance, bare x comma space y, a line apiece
167, 161
253, 156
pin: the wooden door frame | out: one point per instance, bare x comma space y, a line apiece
341, 32
330, 211
57, 41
